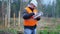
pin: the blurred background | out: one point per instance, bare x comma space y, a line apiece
11, 21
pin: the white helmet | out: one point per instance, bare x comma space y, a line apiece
34, 2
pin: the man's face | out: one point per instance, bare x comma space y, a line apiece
32, 6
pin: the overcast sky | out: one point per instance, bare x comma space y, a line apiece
0, 0
48, 2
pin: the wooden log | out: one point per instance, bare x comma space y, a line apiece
14, 19
6, 21
19, 21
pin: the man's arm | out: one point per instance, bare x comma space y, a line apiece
26, 15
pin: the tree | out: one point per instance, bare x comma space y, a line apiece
58, 8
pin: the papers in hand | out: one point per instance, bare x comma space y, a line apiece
38, 14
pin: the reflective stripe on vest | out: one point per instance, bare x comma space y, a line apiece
30, 22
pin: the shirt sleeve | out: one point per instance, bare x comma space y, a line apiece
26, 15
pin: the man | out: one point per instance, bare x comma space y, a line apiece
30, 23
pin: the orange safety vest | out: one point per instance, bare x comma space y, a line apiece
30, 22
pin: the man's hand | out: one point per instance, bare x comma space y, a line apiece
38, 18
38, 15
31, 14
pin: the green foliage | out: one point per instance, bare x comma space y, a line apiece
58, 27
2, 32
8, 31
13, 31
1, 22
48, 32
58, 8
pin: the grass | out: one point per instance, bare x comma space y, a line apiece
48, 32
49, 26
13, 31
8, 31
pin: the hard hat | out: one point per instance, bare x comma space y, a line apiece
34, 2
